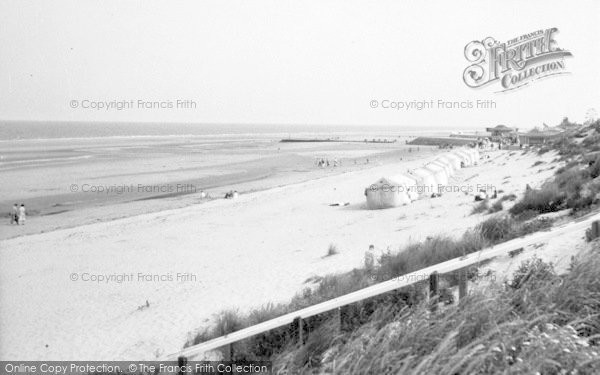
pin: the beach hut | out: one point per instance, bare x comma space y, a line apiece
447, 168
471, 153
386, 193
452, 159
426, 184
446, 164
476, 155
457, 159
465, 159
410, 182
439, 173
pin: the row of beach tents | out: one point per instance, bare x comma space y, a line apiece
403, 188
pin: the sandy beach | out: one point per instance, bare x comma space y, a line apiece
69, 182
138, 286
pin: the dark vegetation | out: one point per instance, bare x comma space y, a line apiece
575, 185
539, 322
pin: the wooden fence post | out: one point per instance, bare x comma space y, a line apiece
228, 352
181, 362
297, 330
595, 229
434, 284
462, 284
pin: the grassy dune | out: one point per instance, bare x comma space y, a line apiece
539, 323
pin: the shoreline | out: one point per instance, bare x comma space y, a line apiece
56, 212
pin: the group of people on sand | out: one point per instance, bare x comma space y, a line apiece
17, 215
322, 162
232, 194
482, 195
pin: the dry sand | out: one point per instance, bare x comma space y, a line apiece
243, 253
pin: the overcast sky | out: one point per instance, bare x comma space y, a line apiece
291, 62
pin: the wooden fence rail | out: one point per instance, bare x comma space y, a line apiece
453, 265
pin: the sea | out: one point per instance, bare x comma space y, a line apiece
40, 130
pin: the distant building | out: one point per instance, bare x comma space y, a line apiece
566, 125
502, 131
503, 134
539, 137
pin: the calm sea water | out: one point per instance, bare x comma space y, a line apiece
53, 130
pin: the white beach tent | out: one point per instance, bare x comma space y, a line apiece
465, 158
475, 155
446, 164
439, 173
410, 182
471, 153
457, 159
446, 167
386, 193
452, 159
425, 181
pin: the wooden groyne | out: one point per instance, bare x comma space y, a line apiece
315, 140
440, 141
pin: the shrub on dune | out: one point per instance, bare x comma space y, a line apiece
431, 251
509, 197
496, 207
549, 198
573, 188
227, 321
594, 168
265, 344
481, 207
332, 250
497, 228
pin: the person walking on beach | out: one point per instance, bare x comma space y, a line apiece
21, 218
14, 214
